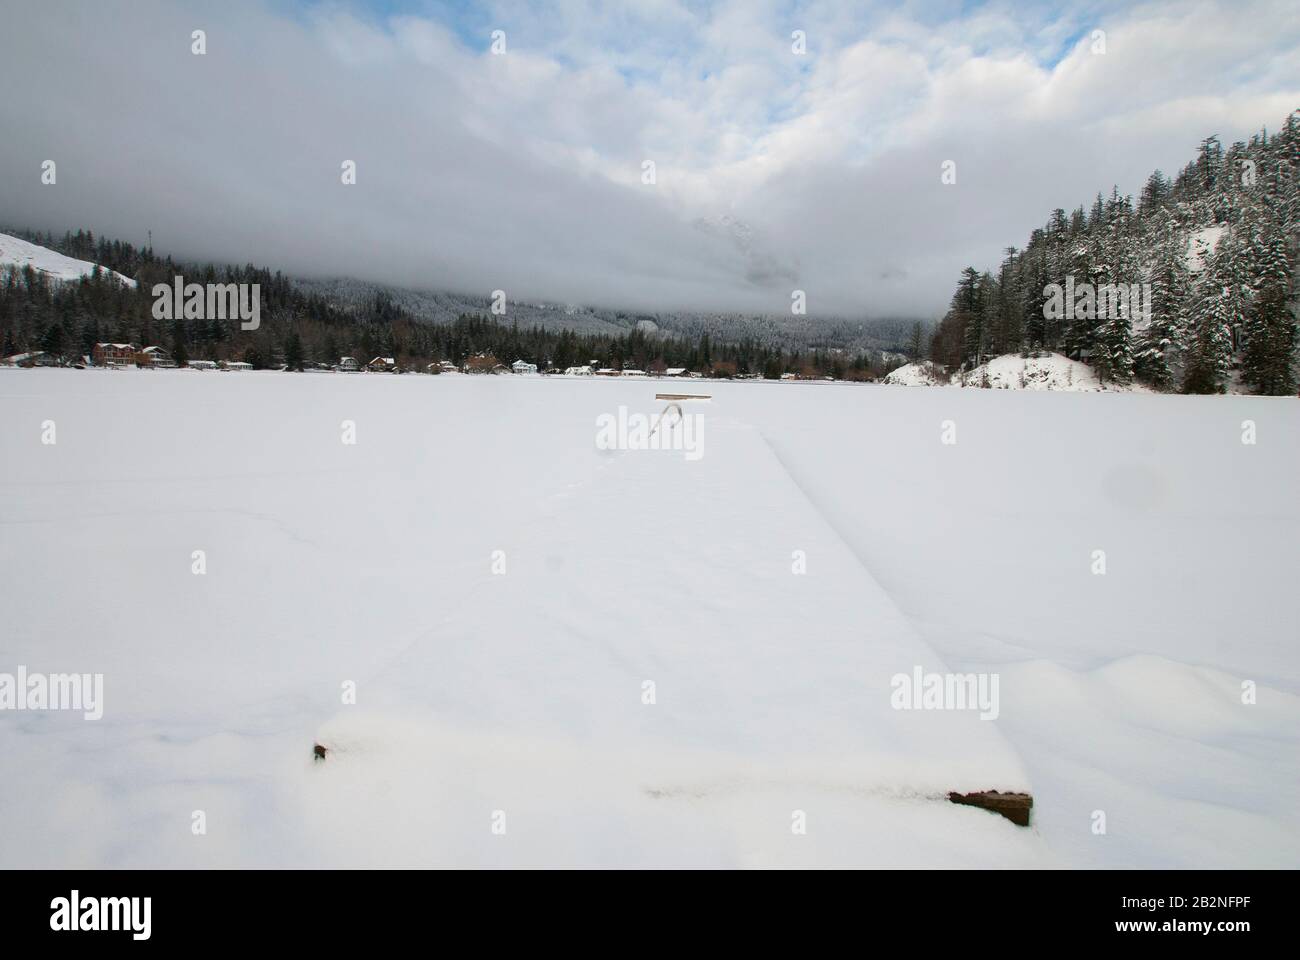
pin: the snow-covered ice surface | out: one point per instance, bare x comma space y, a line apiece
522, 691
20, 253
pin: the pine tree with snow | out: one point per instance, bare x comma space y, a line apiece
1154, 193
1209, 349
1034, 283
1112, 353
1162, 341
969, 306
988, 319
1269, 332
1209, 165
1009, 325
1085, 264
916, 344
1097, 215
1233, 261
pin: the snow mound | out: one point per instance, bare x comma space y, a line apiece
1043, 371
1186, 760
927, 373
20, 253
1011, 371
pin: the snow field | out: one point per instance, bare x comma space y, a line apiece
522, 692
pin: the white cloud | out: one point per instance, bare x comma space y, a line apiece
522, 172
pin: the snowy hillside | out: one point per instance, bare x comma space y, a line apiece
1190, 287
633, 657
923, 374
1038, 371
1201, 245
802, 332
19, 253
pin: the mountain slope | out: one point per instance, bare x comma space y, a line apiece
1205, 262
20, 254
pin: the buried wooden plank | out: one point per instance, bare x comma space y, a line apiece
1014, 806
683, 396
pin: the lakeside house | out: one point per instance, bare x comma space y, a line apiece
35, 358
483, 363
115, 354
583, 371
382, 365
156, 357
203, 364
522, 366
349, 365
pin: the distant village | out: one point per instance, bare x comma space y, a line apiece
122, 356
81, 302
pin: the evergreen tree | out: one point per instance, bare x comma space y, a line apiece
293, 351
1209, 164
180, 353
1209, 349
1085, 263
52, 339
1154, 193
1161, 342
1009, 329
914, 349
981, 309
1270, 328
969, 305
1034, 285
89, 336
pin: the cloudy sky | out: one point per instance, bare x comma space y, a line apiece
524, 170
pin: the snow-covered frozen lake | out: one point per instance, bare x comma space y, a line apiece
563, 654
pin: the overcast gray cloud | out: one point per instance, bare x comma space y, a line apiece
523, 171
